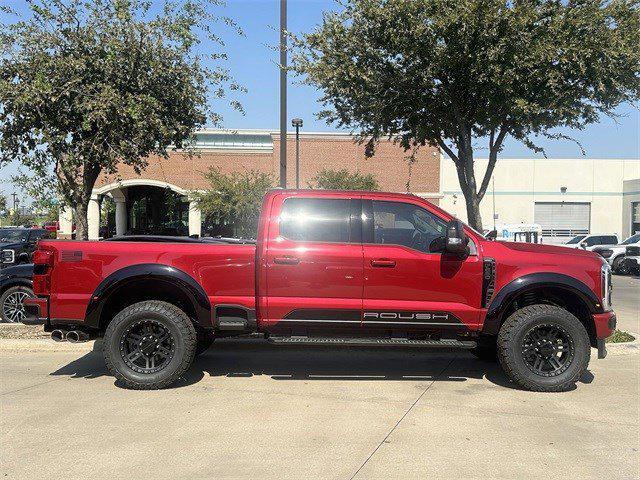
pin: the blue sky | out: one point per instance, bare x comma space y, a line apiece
253, 62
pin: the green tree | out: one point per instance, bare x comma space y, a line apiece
234, 198
344, 180
458, 74
88, 84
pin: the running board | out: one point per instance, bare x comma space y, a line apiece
378, 342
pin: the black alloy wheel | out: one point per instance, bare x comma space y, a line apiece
548, 350
147, 346
544, 348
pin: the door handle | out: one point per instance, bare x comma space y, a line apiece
286, 260
383, 263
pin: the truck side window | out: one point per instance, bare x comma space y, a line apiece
405, 224
315, 219
595, 240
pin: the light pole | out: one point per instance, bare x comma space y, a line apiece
297, 122
283, 93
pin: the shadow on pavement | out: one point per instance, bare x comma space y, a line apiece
246, 358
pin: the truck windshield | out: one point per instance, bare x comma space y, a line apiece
11, 235
632, 239
576, 239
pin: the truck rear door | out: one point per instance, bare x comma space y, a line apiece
314, 264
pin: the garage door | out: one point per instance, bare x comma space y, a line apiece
563, 220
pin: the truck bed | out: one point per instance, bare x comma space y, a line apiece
224, 270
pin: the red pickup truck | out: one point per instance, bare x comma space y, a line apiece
330, 267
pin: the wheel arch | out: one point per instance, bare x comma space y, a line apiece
142, 282
17, 282
547, 288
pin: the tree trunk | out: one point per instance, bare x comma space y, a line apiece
80, 214
473, 210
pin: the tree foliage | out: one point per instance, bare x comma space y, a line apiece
88, 84
454, 74
234, 198
344, 180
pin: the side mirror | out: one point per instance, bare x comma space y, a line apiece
584, 245
492, 235
454, 241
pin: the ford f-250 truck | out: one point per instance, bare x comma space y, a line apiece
330, 267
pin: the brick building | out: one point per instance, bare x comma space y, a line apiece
140, 197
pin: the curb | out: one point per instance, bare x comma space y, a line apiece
46, 345
626, 348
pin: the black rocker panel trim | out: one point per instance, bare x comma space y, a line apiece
324, 314
373, 318
150, 272
509, 292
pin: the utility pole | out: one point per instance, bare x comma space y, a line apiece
297, 122
283, 93
15, 203
493, 189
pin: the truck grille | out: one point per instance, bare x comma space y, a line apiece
605, 253
633, 251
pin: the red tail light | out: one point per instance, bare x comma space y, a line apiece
43, 257
42, 265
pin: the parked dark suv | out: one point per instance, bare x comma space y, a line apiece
18, 244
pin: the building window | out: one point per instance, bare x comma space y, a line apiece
635, 217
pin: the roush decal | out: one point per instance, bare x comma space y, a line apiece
407, 318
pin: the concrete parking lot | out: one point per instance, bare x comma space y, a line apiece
251, 410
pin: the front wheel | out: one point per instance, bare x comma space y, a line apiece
149, 345
544, 348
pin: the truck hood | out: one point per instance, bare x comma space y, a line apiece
547, 249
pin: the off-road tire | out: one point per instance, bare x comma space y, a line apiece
511, 340
204, 340
486, 350
171, 318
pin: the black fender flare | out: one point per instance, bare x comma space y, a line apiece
495, 312
16, 276
150, 271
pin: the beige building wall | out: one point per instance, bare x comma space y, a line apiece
520, 183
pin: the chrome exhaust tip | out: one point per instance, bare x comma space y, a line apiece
58, 336
76, 336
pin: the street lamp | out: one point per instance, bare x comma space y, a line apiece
297, 122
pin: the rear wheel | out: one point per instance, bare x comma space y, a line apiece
12, 304
149, 345
544, 348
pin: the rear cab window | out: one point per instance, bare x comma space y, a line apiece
316, 220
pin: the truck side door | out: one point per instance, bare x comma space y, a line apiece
314, 264
406, 286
